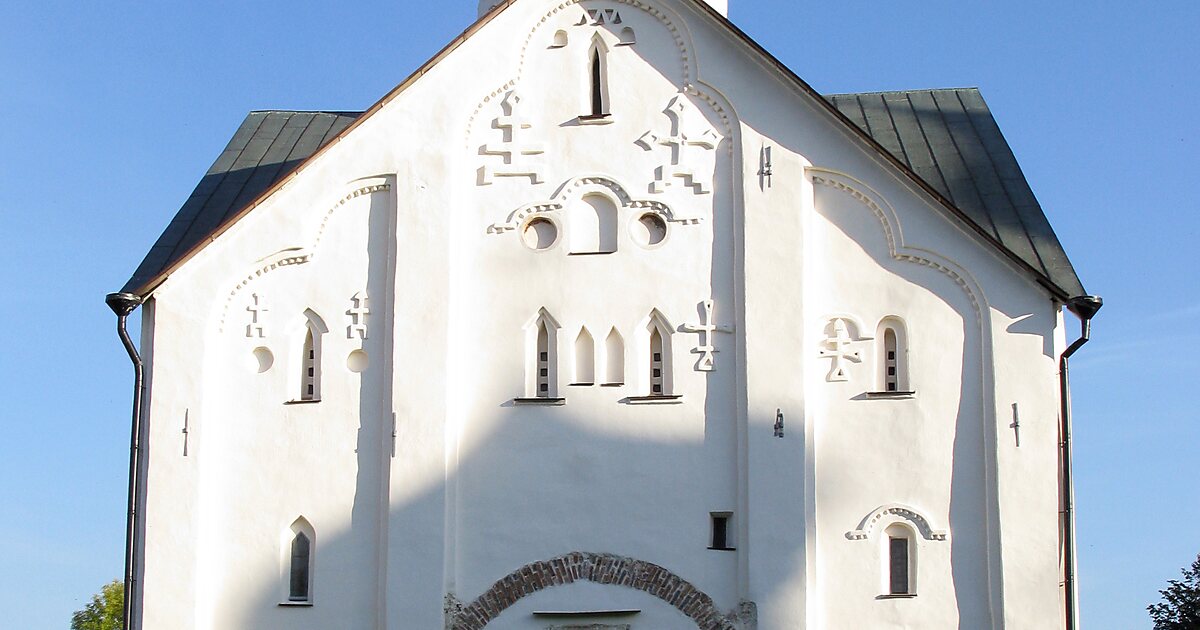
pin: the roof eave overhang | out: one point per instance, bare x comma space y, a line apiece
1040, 277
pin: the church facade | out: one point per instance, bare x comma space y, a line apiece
603, 319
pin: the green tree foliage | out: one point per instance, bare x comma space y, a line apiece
104, 613
1180, 608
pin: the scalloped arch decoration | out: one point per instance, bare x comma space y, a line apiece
293, 256
577, 188
870, 523
893, 232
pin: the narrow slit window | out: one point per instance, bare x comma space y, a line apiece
891, 367
597, 85
543, 361
300, 569
657, 380
898, 565
891, 374
308, 381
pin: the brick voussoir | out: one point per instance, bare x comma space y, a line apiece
593, 567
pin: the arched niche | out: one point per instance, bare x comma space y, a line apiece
592, 225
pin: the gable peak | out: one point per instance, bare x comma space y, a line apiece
721, 6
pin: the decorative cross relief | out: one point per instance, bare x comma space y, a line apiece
512, 149
838, 349
358, 316
689, 130
256, 327
706, 328
599, 17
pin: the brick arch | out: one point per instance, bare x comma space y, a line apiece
592, 567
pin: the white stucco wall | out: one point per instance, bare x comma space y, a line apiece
419, 209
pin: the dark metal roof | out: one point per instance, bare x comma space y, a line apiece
948, 138
266, 148
951, 141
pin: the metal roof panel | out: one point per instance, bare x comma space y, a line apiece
950, 139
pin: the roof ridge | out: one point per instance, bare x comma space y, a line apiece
337, 112
945, 89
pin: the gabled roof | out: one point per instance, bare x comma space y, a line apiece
265, 149
950, 139
946, 140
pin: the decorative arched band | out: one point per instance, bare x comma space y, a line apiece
867, 526
302, 255
600, 568
890, 222
576, 188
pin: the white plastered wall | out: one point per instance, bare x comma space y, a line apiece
480, 486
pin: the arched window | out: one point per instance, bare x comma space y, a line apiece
298, 576
308, 378
542, 372
656, 364
891, 376
593, 225
543, 361
597, 72
657, 357
308, 368
299, 552
614, 359
892, 363
899, 560
585, 358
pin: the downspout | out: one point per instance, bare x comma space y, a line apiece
123, 304
1085, 308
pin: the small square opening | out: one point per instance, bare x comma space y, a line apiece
722, 532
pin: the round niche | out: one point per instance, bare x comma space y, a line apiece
649, 230
539, 233
357, 361
263, 359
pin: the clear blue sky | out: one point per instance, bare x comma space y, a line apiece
112, 112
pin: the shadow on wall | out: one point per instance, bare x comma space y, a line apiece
415, 528
626, 569
409, 571
974, 544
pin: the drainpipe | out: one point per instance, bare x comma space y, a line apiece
1084, 307
123, 304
